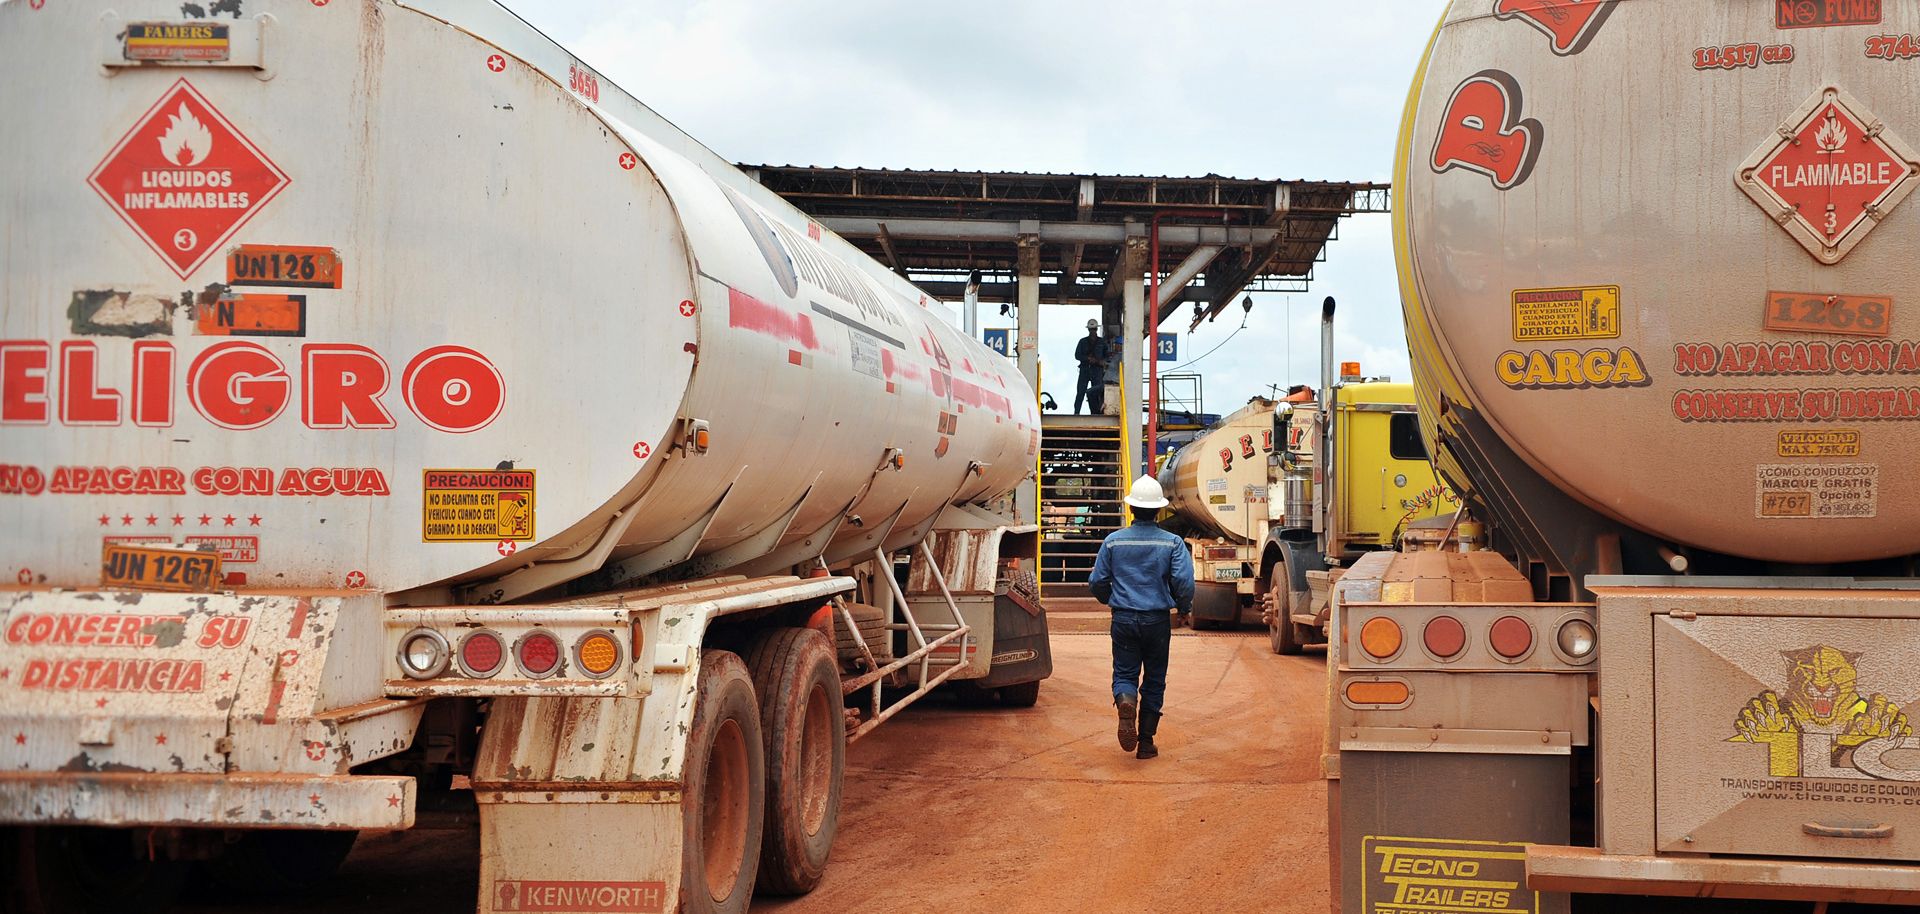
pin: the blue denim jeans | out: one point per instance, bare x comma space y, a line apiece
1140, 641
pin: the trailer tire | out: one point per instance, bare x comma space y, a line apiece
724, 803
1281, 633
806, 742
1020, 694
86, 871
280, 862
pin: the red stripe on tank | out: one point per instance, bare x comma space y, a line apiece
748, 313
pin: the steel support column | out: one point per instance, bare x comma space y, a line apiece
1026, 499
1133, 323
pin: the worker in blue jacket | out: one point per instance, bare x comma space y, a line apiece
1146, 575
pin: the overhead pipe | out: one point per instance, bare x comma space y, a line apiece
1153, 324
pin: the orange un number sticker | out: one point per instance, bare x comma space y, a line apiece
253, 314
284, 266
1824, 312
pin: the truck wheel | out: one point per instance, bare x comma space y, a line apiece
724, 802
1020, 694
806, 740
281, 862
1280, 632
88, 871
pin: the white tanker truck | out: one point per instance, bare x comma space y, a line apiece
1217, 487
389, 397
1657, 266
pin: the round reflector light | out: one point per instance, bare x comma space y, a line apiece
1511, 637
538, 654
1576, 638
482, 654
1444, 636
1380, 637
597, 653
423, 653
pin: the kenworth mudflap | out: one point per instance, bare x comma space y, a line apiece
222, 710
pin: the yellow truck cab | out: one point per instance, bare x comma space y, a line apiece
1382, 482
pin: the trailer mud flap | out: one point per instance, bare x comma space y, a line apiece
1408, 848
1021, 649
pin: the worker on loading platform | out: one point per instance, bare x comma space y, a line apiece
1146, 575
1091, 355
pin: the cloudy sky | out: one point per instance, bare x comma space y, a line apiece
1246, 88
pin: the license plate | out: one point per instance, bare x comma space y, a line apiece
1226, 574
147, 568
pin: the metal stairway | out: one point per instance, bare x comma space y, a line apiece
1081, 484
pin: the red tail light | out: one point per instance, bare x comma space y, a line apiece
538, 654
482, 654
1444, 636
1511, 637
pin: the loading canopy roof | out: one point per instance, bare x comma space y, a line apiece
1218, 235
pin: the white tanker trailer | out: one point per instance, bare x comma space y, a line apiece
1657, 265
482, 422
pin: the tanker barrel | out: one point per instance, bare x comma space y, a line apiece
1217, 482
507, 451
1721, 365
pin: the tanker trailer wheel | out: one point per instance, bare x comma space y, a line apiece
724, 801
87, 871
1281, 633
794, 674
1020, 694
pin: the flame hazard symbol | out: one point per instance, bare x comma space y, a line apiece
187, 142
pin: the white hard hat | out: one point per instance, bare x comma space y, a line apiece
1146, 493
1093, 324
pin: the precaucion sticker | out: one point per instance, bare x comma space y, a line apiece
475, 506
1569, 313
1441, 876
1837, 442
1816, 490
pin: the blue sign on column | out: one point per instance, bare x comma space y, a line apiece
1168, 347
996, 339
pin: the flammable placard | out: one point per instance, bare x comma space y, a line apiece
476, 506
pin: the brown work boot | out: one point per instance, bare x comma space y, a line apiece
1149, 725
1129, 709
